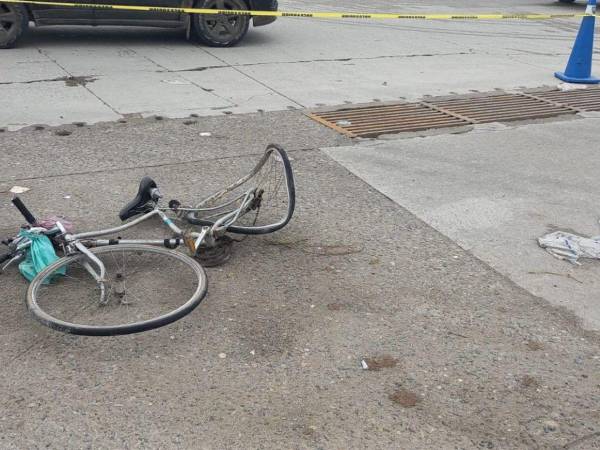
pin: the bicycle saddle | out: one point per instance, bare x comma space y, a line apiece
146, 192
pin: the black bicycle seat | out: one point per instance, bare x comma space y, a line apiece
142, 198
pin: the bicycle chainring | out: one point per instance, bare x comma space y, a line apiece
215, 255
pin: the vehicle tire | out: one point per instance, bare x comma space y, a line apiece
146, 287
220, 30
272, 182
14, 21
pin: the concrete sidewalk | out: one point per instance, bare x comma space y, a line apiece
494, 191
120, 72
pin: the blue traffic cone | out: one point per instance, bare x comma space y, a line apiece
579, 67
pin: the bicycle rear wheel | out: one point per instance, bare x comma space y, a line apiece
146, 287
271, 201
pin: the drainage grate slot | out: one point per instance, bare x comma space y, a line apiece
502, 108
374, 121
584, 99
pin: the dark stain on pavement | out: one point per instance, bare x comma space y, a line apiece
405, 398
381, 362
77, 81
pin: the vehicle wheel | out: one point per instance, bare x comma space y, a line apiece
14, 21
220, 30
146, 287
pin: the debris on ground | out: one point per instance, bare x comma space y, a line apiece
19, 189
566, 275
176, 82
570, 86
405, 398
550, 425
570, 247
534, 345
529, 381
379, 362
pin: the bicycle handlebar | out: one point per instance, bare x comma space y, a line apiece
23, 210
5, 257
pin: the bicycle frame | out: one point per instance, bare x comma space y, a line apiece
221, 217
225, 218
79, 243
173, 242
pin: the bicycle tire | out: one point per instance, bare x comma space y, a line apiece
256, 229
37, 308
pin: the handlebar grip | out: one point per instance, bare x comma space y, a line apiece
23, 210
5, 257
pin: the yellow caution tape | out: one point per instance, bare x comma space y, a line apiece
314, 15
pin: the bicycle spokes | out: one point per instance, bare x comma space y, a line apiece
140, 284
261, 202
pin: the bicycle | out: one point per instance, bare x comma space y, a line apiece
122, 286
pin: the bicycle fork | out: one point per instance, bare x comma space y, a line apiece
101, 277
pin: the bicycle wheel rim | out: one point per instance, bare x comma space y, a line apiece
274, 177
76, 298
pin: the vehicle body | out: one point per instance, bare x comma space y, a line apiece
212, 30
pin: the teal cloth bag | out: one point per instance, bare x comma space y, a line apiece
39, 256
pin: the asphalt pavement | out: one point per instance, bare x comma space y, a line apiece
460, 356
414, 256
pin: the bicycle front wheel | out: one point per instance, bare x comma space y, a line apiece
145, 287
273, 197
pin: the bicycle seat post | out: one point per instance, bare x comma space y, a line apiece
155, 194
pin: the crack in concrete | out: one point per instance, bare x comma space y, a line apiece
71, 81
42, 52
192, 82
531, 52
266, 86
307, 61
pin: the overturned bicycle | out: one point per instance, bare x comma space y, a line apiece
103, 287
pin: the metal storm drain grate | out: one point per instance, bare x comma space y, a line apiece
581, 99
502, 108
373, 121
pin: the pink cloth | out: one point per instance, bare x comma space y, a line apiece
50, 222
